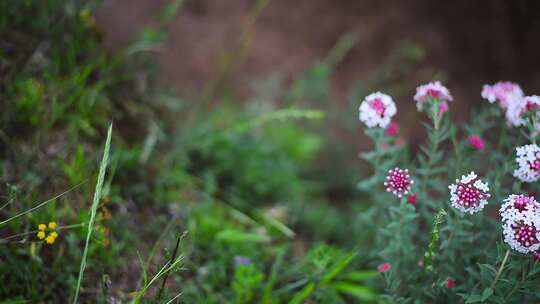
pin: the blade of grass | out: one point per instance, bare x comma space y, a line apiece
41, 204
95, 203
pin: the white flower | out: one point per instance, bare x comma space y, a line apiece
377, 109
433, 90
522, 233
528, 161
515, 206
521, 219
515, 107
469, 194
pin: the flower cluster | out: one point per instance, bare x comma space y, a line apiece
521, 223
513, 101
398, 181
528, 162
377, 109
469, 194
503, 92
433, 91
42, 233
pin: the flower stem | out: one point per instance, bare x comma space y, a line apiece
500, 269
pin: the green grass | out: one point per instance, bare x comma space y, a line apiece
93, 210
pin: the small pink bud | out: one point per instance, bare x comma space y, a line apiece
536, 256
384, 267
443, 107
450, 283
392, 129
412, 199
477, 142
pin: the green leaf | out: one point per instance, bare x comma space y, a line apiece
338, 267
237, 236
303, 294
360, 275
357, 291
487, 293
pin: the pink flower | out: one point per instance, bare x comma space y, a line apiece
504, 92
384, 267
398, 181
377, 109
469, 194
532, 103
443, 107
413, 199
477, 142
536, 256
432, 90
392, 129
450, 283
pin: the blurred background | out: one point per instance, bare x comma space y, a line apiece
463, 43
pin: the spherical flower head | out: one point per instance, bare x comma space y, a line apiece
42, 227
398, 181
384, 267
433, 90
392, 129
517, 206
522, 233
469, 194
477, 142
504, 92
52, 225
377, 109
41, 235
528, 162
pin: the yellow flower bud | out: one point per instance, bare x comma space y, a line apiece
52, 225
49, 240
42, 227
41, 235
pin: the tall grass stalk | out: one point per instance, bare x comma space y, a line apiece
95, 203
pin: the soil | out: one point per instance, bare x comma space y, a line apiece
466, 43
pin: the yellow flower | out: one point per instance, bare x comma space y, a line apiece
49, 240
42, 227
52, 225
54, 234
41, 235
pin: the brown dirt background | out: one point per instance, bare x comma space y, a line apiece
467, 43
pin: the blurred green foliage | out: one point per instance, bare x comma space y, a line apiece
245, 184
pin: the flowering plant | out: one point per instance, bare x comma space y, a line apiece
459, 221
